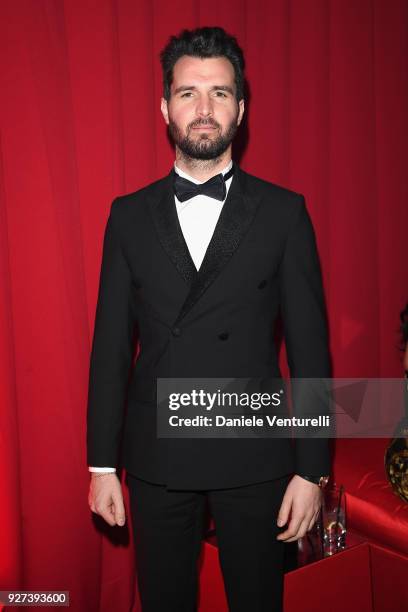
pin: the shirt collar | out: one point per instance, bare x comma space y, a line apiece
193, 180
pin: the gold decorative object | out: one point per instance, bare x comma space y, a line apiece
396, 455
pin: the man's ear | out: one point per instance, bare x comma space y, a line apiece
241, 105
164, 110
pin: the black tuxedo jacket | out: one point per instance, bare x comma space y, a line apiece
217, 322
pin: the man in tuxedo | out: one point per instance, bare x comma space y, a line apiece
197, 266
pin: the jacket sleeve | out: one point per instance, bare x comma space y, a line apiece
112, 351
306, 338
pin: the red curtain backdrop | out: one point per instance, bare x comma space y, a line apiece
81, 124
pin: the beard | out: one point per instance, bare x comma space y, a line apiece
203, 146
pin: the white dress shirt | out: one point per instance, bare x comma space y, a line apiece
198, 217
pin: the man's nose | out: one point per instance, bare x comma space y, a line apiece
204, 106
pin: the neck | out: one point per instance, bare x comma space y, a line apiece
202, 169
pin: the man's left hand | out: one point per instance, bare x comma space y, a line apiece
302, 500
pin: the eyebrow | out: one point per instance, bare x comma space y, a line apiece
222, 87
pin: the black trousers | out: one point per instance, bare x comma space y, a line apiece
168, 528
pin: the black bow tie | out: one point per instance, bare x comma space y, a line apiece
215, 187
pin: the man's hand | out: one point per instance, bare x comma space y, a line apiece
304, 498
105, 498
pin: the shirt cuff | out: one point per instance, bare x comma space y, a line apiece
102, 469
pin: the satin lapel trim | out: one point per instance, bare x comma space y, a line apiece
233, 223
165, 218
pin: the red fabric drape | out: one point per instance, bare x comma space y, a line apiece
81, 124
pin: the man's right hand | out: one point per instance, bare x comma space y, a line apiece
105, 498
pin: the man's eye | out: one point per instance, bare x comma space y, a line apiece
189, 93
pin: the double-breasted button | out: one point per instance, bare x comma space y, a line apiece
223, 335
176, 331
262, 284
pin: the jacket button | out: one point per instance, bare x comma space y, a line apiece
176, 331
262, 284
223, 336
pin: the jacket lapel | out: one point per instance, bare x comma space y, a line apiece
165, 218
235, 218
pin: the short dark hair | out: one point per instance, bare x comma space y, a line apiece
203, 42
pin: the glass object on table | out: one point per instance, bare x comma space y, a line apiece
331, 525
328, 534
